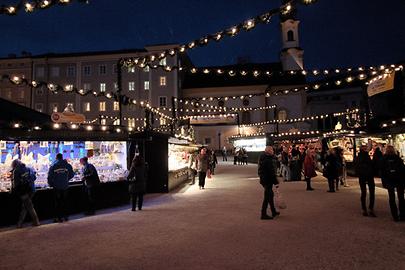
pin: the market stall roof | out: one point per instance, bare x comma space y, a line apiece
12, 112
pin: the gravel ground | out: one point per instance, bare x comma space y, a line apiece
218, 228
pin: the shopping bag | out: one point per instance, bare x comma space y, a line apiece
278, 199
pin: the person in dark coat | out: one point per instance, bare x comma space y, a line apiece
364, 169
309, 167
137, 178
213, 162
331, 169
393, 177
203, 162
24, 191
267, 173
59, 175
377, 159
90, 182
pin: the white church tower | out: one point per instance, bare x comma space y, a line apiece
291, 56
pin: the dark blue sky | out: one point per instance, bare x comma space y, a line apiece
333, 33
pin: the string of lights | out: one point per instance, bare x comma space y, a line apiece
69, 88
302, 119
34, 5
393, 123
315, 133
233, 31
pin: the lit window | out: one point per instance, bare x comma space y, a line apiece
131, 86
87, 70
103, 121
162, 121
116, 122
86, 86
102, 69
162, 101
162, 62
282, 115
131, 70
131, 122
146, 85
116, 106
40, 72
70, 106
146, 69
102, 87
54, 107
39, 107
101, 106
71, 71
55, 71
69, 87
162, 80
87, 106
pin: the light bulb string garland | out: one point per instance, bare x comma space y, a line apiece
246, 25
34, 5
315, 133
302, 119
69, 88
393, 123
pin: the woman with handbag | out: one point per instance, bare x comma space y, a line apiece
137, 182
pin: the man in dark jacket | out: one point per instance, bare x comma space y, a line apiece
24, 188
59, 175
267, 173
364, 169
90, 182
393, 177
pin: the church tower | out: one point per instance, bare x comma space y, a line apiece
291, 56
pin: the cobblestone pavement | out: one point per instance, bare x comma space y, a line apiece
218, 228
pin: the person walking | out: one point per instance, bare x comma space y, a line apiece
393, 178
377, 160
285, 168
309, 167
330, 169
365, 172
192, 167
202, 165
23, 186
213, 162
90, 183
267, 173
137, 178
224, 154
59, 175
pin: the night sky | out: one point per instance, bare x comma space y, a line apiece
333, 33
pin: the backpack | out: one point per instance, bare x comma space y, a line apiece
394, 169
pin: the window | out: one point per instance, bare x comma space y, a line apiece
115, 86
86, 106
116, 122
102, 69
162, 62
71, 71
162, 121
131, 122
87, 70
69, 87
282, 115
40, 72
131, 86
131, 69
146, 85
290, 35
102, 87
40, 91
162, 80
86, 86
245, 117
115, 69
162, 101
103, 121
70, 106
39, 107
54, 107
101, 106
55, 71
116, 106
22, 94
146, 69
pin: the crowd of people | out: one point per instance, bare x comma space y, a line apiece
291, 162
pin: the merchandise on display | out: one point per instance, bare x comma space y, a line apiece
179, 156
109, 158
399, 144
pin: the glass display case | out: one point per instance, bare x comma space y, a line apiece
109, 158
179, 154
